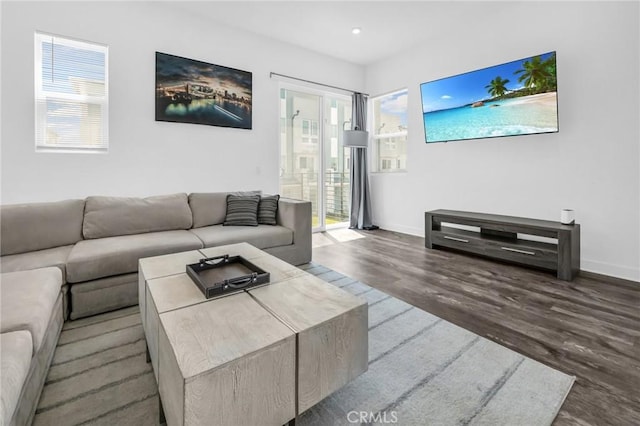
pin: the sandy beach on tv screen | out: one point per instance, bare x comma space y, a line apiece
545, 99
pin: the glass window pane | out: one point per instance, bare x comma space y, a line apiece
391, 153
74, 70
298, 176
390, 131
390, 113
336, 159
73, 123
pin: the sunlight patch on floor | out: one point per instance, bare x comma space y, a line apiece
321, 239
343, 235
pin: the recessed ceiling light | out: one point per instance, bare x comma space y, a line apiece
356, 30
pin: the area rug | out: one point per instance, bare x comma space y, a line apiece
422, 371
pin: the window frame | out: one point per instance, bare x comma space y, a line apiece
42, 97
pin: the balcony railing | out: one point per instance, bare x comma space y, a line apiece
304, 186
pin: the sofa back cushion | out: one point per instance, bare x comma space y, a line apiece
113, 216
208, 208
39, 226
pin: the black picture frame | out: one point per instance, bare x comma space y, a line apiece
196, 92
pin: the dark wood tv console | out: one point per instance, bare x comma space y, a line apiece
504, 238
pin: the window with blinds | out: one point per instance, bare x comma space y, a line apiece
71, 95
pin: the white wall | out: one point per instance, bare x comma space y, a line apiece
591, 165
147, 157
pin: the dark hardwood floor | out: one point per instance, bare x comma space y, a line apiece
589, 327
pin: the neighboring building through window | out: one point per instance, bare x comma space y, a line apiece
309, 131
390, 131
306, 164
71, 95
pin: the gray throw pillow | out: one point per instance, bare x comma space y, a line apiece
242, 210
267, 209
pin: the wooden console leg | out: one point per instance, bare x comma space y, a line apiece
428, 227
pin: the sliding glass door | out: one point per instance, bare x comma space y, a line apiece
314, 165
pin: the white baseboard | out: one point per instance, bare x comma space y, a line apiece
419, 232
611, 270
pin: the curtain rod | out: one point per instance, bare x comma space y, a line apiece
314, 82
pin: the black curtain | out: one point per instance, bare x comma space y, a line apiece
360, 197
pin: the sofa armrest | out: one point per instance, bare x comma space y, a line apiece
296, 215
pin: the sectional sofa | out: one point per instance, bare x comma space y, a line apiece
76, 258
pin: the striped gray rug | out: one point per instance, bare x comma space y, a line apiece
422, 371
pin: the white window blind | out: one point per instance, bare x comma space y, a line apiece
71, 95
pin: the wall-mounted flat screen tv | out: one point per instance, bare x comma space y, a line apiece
516, 98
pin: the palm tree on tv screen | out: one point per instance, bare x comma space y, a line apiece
497, 87
550, 83
534, 73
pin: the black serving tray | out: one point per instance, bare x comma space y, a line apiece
225, 274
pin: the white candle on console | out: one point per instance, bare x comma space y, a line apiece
567, 216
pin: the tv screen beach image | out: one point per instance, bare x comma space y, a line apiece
515, 98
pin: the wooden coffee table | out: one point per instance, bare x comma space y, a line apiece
331, 330
261, 356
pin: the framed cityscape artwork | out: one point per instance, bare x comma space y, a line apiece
190, 91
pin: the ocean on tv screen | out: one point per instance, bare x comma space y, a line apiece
516, 98
519, 116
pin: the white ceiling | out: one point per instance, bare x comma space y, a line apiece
388, 27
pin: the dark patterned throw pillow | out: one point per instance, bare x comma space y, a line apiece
242, 210
267, 209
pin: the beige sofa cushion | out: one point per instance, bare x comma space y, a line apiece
208, 208
28, 299
105, 257
56, 256
103, 295
114, 216
16, 350
261, 236
38, 226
